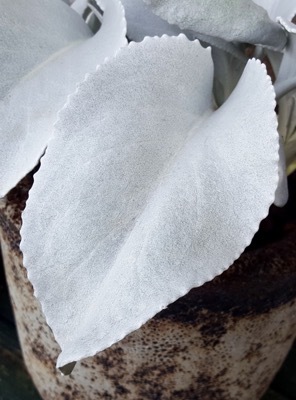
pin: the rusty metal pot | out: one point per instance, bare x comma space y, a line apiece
224, 340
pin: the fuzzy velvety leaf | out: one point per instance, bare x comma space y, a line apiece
145, 191
231, 20
31, 31
279, 10
30, 109
227, 72
142, 22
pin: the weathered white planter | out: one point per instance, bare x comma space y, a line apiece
225, 340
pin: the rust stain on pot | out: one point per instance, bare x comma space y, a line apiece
41, 353
10, 212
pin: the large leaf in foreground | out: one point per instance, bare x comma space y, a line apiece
231, 20
29, 111
144, 191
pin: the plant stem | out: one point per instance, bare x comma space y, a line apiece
283, 88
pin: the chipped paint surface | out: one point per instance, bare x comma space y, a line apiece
225, 340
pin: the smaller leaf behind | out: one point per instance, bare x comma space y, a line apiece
231, 20
30, 109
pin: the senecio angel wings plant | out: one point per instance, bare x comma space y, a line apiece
160, 163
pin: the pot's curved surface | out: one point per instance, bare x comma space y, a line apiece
224, 340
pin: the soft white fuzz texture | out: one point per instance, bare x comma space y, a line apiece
145, 191
141, 21
231, 20
31, 31
29, 109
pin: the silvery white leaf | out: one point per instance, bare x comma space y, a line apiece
231, 20
31, 31
231, 48
30, 110
286, 10
145, 192
142, 22
228, 69
278, 8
